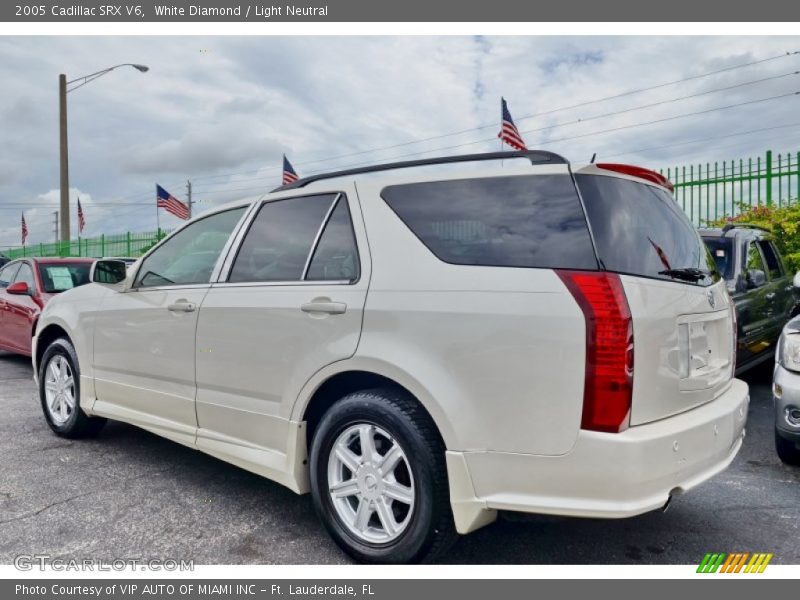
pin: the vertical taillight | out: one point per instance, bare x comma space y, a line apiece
608, 388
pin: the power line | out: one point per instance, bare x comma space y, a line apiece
529, 116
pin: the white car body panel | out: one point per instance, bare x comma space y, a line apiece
495, 355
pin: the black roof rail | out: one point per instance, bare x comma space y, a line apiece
535, 156
730, 226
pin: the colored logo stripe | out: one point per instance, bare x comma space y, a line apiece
734, 563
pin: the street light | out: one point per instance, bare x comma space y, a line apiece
63, 90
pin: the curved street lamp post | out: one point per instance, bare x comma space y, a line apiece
63, 90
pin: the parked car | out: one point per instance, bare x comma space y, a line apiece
763, 290
4, 260
26, 285
422, 351
786, 390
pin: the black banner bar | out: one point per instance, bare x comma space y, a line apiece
197, 11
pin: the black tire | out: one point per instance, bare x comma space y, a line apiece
787, 450
430, 529
78, 424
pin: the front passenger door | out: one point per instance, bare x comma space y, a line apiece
144, 351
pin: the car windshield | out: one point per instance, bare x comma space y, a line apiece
63, 276
722, 251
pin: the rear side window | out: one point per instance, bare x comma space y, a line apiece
722, 252
527, 221
280, 239
640, 230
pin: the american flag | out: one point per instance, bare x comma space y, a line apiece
289, 174
24, 230
508, 131
81, 218
171, 204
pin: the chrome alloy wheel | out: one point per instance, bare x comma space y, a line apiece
59, 390
370, 483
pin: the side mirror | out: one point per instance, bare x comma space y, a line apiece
796, 280
756, 278
19, 289
108, 272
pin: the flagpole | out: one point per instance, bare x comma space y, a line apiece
158, 217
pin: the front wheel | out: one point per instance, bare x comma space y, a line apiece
379, 480
59, 391
787, 450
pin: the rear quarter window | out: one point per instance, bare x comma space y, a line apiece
521, 221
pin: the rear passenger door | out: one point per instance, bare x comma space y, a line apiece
289, 302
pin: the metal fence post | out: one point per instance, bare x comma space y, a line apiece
103, 245
128, 240
769, 177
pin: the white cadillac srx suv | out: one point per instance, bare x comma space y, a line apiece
421, 345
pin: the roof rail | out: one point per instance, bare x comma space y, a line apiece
535, 156
730, 226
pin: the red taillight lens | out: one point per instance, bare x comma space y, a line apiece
608, 387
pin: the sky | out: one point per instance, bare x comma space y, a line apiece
220, 111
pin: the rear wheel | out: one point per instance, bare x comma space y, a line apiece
787, 450
59, 391
379, 480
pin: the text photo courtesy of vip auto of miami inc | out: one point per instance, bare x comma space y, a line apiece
451, 299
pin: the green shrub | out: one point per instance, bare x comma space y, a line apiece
783, 222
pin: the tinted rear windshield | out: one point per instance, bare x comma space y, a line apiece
521, 221
722, 252
64, 276
640, 230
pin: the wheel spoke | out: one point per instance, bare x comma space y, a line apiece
398, 491
62, 369
344, 489
386, 517
69, 382
55, 404
363, 514
367, 436
63, 409
50, 386
54, 370
348, 457
389, 461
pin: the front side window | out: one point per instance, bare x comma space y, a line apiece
771, 259
189, 256
7, 274
25, 275
521, 221
278, 243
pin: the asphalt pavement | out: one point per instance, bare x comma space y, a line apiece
131, 494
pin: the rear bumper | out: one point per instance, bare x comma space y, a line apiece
789, 398
604, 475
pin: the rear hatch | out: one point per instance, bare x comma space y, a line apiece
682, 315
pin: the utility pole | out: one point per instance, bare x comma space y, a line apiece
55, 214
62, 119
189, 196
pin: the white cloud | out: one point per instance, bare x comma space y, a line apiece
211, 106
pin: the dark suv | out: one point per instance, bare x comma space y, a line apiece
762, 288
4, 260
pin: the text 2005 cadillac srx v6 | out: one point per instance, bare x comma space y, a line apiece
421, 347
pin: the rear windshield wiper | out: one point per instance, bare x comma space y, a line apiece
686, 273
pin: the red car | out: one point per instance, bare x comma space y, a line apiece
25, 287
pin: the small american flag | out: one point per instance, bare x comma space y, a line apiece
24, 230
289, 174
508, 131
81, 218
171, 204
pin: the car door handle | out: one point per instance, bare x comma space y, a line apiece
324, 305
770, 296
182, 306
